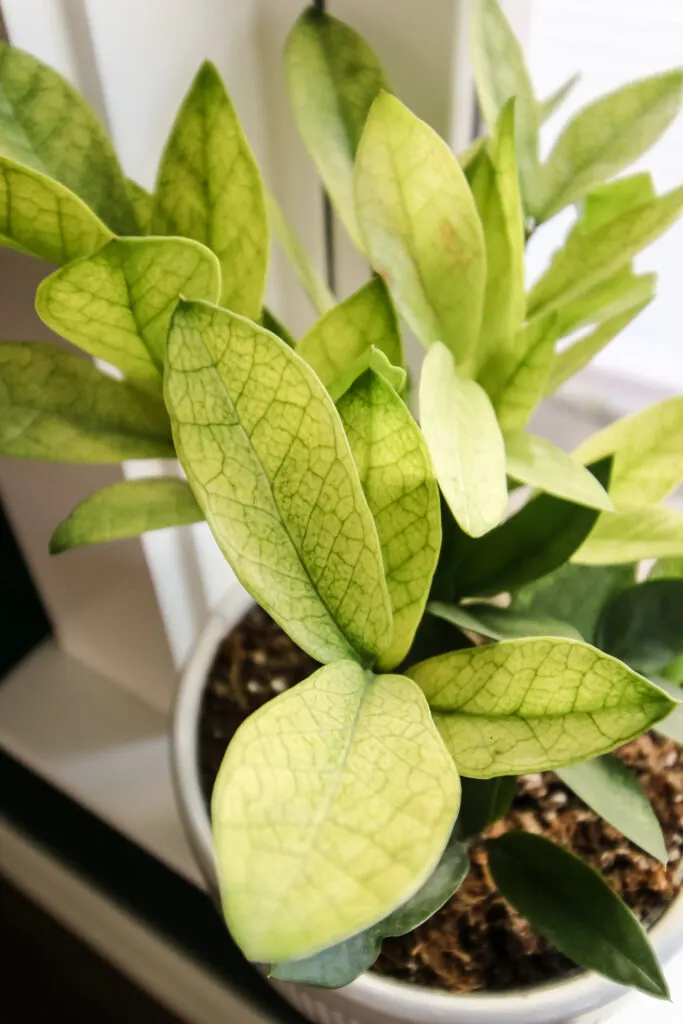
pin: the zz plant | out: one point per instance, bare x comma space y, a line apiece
344, 808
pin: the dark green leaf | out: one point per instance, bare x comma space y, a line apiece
643, 626
483, 802
613, 791
574, 908
340, 965
534, 542
499, 623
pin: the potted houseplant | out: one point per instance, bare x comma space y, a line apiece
448, 649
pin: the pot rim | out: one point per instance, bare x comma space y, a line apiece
587, 992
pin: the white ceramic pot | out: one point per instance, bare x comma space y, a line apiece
372, 999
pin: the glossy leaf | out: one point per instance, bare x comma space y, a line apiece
621, 293
648, 447
465, 443
500, 72
643, 626
574, 594
333, 77
117, 304
591, 256
308, 274
357, 798
552, 103
127, 509
539, 463
340, 965
41, 217
495, 188
142, 202
403, 495
571, 360
607, 786
421, 227
47, 125
534, 704
534, 542
60, 408
265, 453
575, 909
631, 534
209, 188
367, 318
500, 623
483, 802
371, 359
517, 384
607, 136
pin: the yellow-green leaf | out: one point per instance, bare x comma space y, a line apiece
621, 293
47, 125
567, 363
541, 464
605, 202
265, 453
117, 304
517, 383
495, 188
127, 509
366, 319
648, 447
371, 359
143, 205
399, 484
500, 623
500, 72
209, 188
591, 256
333, 805
43, 218
607, 136
548, 106
465, 443
535, 704
631, 534
61, 408
421, 228
333, 77
308, 274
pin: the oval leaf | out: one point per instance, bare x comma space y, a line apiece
265, 453
501, 72
47, 125
422, 231
117, 304
518, 380
648, 453
530, 544
483, 802
499, 623
209, 188
613, 792
354, 786
465, 443
333, 77
367, 318
401, 490
309, 277
643, 625
534, 704
340, 965
575, 909
591, 256
607, 136
41, 217
633, 533
539, 463
61, 408
127, 509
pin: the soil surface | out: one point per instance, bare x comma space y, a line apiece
477, 941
